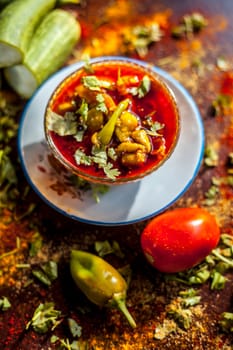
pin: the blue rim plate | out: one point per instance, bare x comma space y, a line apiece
124, 204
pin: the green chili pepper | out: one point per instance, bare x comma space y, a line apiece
107, 131
99, 281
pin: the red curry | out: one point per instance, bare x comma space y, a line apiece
144, 131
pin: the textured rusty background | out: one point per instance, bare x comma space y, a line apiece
102, 23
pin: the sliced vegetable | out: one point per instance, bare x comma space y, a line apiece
52, 43
180, 239
18, 21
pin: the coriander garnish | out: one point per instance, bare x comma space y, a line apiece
141, 37
212, 269
46, 273
4, 304
226, 321
45, 318
142, 89
211, 156
74, 327
62, 125
189, 25
93, 83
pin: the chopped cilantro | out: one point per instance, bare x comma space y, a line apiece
36, 244
141, 36
50, 269
82, 158
105, 247
62, 126
41, 276
46, 273
226, 321
218, 280
211, 195
79, 135
93, 83
144, 86
142, 89
87, 64
83, 111
221, 104
99, 156
189, 25
54, 338
182, 316
112, 153
211, 157
45, 318
4, 304
111, 172
154, 127
101, 106
65, 343
164, 329
189, 297
74, 327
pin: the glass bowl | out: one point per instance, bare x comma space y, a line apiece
112, 121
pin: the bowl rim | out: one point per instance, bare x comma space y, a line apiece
144, 66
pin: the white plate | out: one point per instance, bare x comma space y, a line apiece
123, 204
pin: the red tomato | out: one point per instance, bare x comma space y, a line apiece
179, 239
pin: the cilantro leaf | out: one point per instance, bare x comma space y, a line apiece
93, 83
101, 106
155, 127
74, 328
142, 89
45, 317
99, 156
141, 36
50, 269
62, 126
79, 135
111, 172
82, 158
226, 321
112, 153
83, 111
4, 304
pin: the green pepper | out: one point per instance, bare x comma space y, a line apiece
107, 131
99, 281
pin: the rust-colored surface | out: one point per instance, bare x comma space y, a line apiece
193, 62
